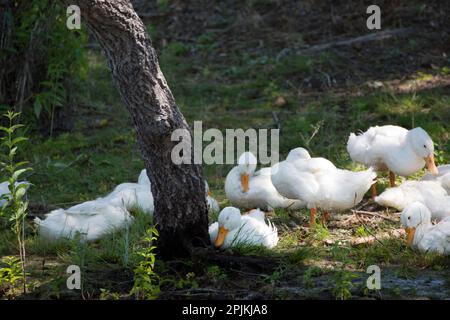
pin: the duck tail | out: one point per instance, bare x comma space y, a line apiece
37, 221
392, 197
372, 174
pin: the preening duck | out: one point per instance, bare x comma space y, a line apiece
233, 229
248, 189
393, 148
430, 193
421, 233
319, 183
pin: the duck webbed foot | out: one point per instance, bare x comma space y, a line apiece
325, 217
373, 190
312, 217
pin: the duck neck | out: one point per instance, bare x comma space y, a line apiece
421, 230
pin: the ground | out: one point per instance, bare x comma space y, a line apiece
252, 66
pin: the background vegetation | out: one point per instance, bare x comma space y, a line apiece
231, 64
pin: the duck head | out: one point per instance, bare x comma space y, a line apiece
229, 219
247, 166
423, 147
413, 216
298, 153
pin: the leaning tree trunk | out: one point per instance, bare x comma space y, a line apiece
178, 190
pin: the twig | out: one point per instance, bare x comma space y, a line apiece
202, 292
373, 214
276, 119
361, 39
250, 273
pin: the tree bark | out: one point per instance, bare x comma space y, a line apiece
179, 191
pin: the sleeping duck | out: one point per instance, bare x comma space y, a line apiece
90, 220
133, 195
430, 193
233, 229
319, 183
248, 189
401, 151
421, 233
93, 219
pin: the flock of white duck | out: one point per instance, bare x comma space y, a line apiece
300, 181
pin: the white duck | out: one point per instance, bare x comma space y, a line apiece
90, 220
421, 233
393, 148
430, 193
443, 177
233, 229
133, 195
93, 219
213, 205
248, 189
319, 183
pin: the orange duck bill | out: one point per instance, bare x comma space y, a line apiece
431, 165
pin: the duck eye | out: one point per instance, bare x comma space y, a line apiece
409, 218
424, 146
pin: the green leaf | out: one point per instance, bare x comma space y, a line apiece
19, 139
19, 172
12, 152
15, 127
37, 107
20, 193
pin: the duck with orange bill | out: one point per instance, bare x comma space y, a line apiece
233, 228
393, 148
319, 183
421, 233
248, 189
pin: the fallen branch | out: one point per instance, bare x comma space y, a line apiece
373, 214
201, 292
361, 39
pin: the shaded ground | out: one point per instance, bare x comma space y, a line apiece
250, 65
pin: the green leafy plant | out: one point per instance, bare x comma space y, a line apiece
15, 206
189, 282
310, 273
105, 294
11, 270
146, 281
343, 284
